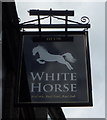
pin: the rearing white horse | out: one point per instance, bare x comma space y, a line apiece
45, 56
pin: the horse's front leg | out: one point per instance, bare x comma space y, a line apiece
40, 61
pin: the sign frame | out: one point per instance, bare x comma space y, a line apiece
21, 69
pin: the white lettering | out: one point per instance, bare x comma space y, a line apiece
73, 88
66, 87
34, 87
53, 76
53, 88
37, 76
73, 76
58, 88
48, 88
58, 76
65, 75
49, 76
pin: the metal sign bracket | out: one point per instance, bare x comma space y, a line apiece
84, 24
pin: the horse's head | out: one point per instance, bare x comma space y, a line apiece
38, 49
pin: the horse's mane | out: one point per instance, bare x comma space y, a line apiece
41, 47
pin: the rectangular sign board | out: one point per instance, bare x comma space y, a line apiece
55, 70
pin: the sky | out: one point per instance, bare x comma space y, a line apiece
96, 12
0, 62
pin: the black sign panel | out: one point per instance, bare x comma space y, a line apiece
55, 69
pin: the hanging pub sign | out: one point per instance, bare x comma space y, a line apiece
55, 69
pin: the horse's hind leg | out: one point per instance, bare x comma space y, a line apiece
62, 61
68, 66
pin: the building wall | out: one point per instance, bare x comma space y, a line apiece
10, 38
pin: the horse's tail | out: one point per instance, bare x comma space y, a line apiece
69, 57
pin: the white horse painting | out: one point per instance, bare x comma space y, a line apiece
45, 56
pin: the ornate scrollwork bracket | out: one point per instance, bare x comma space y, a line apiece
85, 20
